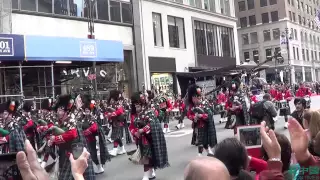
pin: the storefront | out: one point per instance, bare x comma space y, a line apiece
162, 74
46, 66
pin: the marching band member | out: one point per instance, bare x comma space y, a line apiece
68, 138
27, 123
91, 129
303, 91
116, 117
150, 139
202, 121
179, 103
221, 100
165, 108
284, 97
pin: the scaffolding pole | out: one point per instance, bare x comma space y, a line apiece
52, 81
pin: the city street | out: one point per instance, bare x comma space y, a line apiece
180, 152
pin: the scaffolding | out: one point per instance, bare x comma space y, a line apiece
5, 16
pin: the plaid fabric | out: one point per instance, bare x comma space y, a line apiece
64, 162
145, 149
159, 146
126, 129
116, 132
285, 111
163, 116
104, 153
17, 138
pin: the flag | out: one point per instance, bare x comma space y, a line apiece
317, 18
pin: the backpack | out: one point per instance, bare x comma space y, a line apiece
258, 110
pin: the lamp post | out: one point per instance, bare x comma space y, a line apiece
286, 35
90, 9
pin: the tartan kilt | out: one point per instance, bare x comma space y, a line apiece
201, 136
285, 111
117, 132
145, 149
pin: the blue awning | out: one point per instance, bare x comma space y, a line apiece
44, 48
11, 47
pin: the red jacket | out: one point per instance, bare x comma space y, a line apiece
285, 96
91, 132
66, 137
254, 99
201, 120
221, 98
273, 93
303, 91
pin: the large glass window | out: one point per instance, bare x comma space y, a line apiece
268, 53
103, 9
252, 20
225, 7
276, 33
266, 35
242, 5
115, 11
245, 39
272, 2
274, 16
157, 29
45, 6
246, 56
61, 7
263, 3
126, 12
243, 22
254, 37
265, 18
90, 9
250, 4
15, 4
214, 40
255, 54
29, 5
176, 32
298, 54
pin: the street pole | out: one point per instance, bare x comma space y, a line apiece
288, 51
91, 36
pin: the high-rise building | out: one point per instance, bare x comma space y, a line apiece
261, 25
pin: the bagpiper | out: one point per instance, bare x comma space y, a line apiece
149, 137
164, 110
91, 129
202, 121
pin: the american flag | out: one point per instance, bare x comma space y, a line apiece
317, 18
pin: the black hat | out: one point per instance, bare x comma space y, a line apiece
88, 102
193, 91
115, 95
12, 106
47, 104
27, 106
64, 101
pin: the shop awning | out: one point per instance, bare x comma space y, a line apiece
44, 48
11, 47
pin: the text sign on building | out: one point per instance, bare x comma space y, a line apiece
88, 49
6, 46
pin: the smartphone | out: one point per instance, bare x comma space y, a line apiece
8, 167
77, 150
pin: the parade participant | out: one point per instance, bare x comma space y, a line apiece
283, 98
303, 91
202, 121
179, 103
13, 136
68, 137
254, 98
27, 123
148, 133
221, 101
164, 113
91, 129
116, 117
273, 91
300, 104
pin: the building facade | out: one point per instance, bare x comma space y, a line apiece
261, 25
113, 20
180, 34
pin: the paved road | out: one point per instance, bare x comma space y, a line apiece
180, 153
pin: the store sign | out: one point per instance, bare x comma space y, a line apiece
88, 49
6, 46
84, 72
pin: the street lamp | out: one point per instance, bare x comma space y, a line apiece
287, 35
90, 9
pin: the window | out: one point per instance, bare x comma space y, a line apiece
305, 37
263, 3
246, 56
292, 2
290, 16
216, 40
242, 5
274, 16
293, 17
115, 11
268, 53
299, 19
157, 29
301, 36
315, 55
295, 34
307, 55
302, 6
176, 32
265, 18
225, 7
250, 4
266, 35
192, 3
198, 4
272, 2
298, 54
126, 13
243, 22
304, 21
294, 53
254, 37
61, 7
29, 5
311, 52
103, 10
276, 33
245, 39
303, 55
252, 20
44, 6
255, 54
298, 4
307, 8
